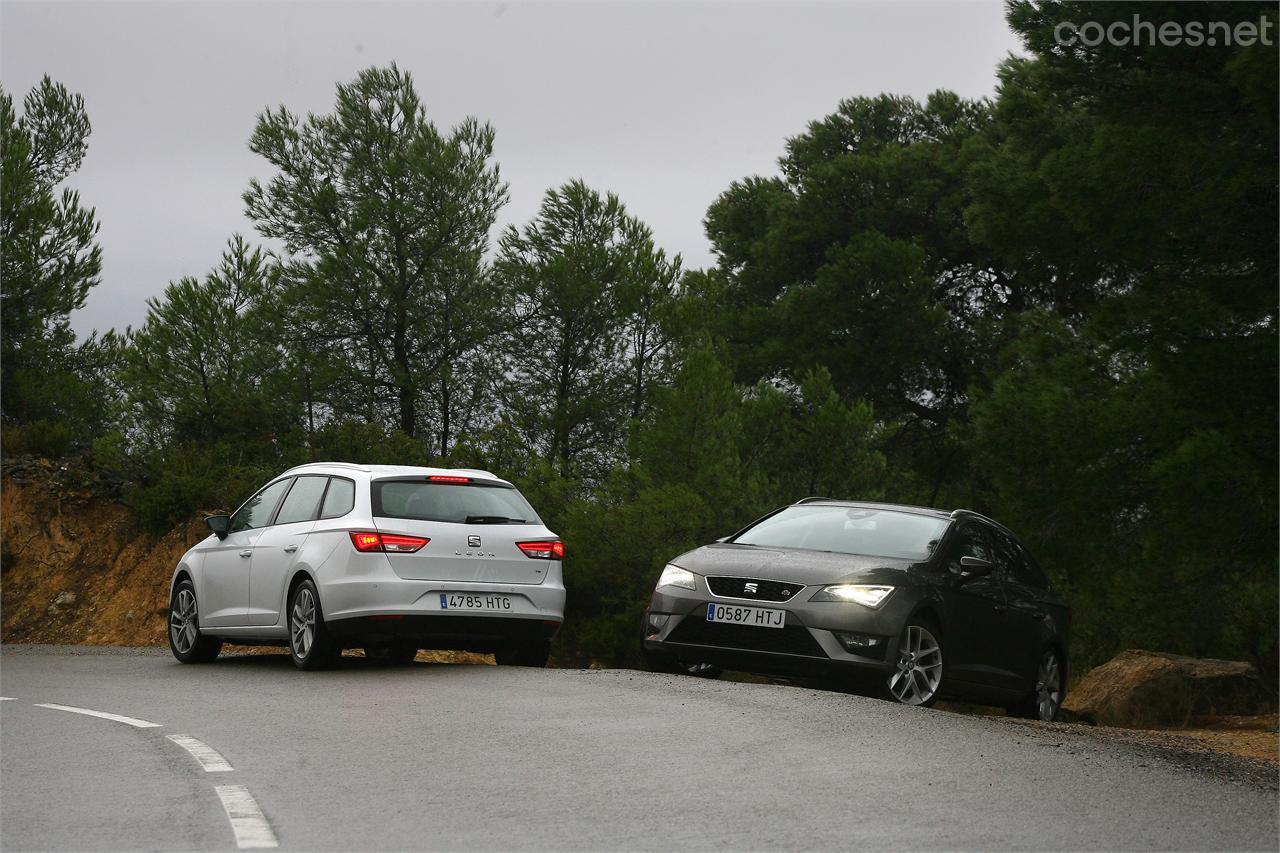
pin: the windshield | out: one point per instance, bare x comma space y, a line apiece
474, 503
849, 530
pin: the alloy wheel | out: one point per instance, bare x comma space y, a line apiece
182, 621
1048, 687
302, 624
916, 678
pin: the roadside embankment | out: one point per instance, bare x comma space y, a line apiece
77, 568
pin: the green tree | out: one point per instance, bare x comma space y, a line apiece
686, 487
857, 259
385, 220
50, 262
813, 442
1133, 437
200, 367
592, 300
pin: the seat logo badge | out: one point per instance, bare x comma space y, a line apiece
786, 593
752, 588
473, 541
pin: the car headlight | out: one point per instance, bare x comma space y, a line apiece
868, 595
676, 576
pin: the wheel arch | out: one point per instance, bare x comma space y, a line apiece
1058, 644
298, 576
180, 574
929, 610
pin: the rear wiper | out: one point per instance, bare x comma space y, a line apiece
492, 519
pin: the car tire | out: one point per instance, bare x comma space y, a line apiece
310, 644
920, 673
395, 654
533, 654
187, 642
1045, 700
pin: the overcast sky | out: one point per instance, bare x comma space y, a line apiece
664, 103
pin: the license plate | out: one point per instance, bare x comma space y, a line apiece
758, 616
474, 601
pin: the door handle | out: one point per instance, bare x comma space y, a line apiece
289, 549
246, 552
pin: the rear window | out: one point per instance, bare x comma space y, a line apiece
849, 530
473, 503
339, 498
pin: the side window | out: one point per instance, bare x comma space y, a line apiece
256, 511
1009, 557
339, 499
970, 541
1032, 575
303, 501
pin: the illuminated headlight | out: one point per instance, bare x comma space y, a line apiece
676, 576
865, 594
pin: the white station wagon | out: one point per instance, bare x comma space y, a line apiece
387, 558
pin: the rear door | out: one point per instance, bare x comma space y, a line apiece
474, 526
1029, 620
278, 548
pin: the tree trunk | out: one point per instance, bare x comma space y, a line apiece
445, 386
404, 379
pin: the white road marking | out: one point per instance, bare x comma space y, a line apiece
7, 699
131, 721
247, 821
208, 757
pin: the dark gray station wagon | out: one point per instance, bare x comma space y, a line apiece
917, 603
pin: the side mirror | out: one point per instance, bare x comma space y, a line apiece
219, 524
975, 567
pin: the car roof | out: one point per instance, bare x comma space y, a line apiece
380, 471
918, 510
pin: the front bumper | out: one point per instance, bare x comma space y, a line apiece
808, 644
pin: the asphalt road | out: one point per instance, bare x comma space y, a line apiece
476, 757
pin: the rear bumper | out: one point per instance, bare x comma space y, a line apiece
469, 633
357, 597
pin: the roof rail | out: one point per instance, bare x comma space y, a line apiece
351, 465
968, 513
813, 499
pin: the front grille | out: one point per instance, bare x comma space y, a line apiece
764, 590
790, 639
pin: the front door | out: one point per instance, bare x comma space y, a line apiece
224, 594
976, 611
223, 597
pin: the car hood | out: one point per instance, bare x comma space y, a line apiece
787, 564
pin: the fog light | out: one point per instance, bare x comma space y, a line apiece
657, 621
867, 645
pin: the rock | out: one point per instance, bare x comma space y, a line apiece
65, 598
1141, 689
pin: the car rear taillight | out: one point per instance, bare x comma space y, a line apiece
546, 549
391, 543
443, 478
